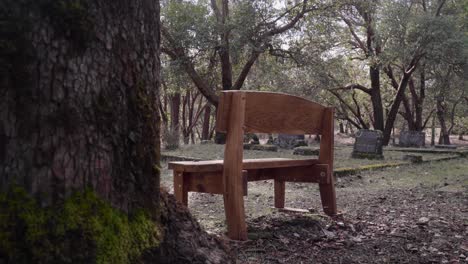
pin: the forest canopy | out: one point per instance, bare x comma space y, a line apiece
382, 64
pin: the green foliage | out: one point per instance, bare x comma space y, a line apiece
82, 229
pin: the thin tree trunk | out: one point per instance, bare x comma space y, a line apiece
174, 133
341, 126
433, 131
394, 108
206, 123
376, 98
444, 135
420, 102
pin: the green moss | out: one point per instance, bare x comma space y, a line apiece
82, 229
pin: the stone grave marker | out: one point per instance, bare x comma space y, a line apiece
412, 139
368, 144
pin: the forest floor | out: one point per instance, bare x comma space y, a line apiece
404, 214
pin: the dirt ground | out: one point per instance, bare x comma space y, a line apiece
410, 214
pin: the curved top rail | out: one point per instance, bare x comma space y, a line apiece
268, 112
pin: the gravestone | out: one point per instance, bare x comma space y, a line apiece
286, 141
368, 144
412, 139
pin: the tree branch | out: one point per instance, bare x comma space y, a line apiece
245, 70
177, 53
351, 109
439, 9
355, 36
428, 118
291, 23
216, 11
354, 86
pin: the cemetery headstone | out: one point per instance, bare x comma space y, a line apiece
368, 144
412, 139
286, 141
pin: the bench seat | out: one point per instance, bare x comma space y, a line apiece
207, 176
247, 164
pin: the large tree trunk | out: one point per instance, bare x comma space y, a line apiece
79, 110
83, 111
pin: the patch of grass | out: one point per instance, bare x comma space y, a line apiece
449, 175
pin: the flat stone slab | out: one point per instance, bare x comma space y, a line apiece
306, 151
272, 148
413, 158
445, 146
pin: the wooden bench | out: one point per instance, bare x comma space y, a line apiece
242, 112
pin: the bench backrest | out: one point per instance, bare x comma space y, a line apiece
267, 112
242, 112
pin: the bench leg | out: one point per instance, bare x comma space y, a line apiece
327, 194
235, 215
280, 187
180, 189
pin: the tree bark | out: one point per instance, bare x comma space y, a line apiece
88, 114
80, 110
